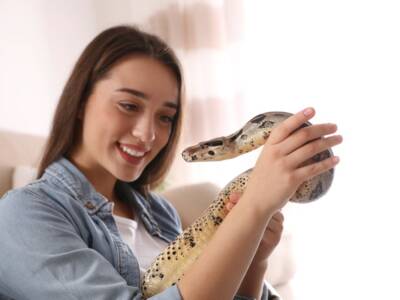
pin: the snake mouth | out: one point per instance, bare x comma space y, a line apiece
189, 156
186, 156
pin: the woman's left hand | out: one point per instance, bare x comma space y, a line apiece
253, 281
272, 234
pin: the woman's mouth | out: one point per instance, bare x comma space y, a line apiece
130, 155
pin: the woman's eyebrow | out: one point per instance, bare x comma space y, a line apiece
142, 95
172, 105
133, 92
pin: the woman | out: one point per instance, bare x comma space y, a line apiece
88, 225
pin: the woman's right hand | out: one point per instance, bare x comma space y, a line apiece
279, 170
275, 177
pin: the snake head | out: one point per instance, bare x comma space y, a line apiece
211, 150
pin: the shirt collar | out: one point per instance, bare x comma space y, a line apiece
142, 205
67, 175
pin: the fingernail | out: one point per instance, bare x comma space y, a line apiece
333, 125
336, 159
308, 111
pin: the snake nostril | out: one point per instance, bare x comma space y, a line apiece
211, 152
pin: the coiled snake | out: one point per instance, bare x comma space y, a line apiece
170, 265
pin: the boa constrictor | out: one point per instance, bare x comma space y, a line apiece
170, 265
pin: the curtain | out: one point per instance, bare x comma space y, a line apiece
207, 36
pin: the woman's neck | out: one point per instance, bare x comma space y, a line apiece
102, 181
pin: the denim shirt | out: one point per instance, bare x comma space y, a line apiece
59, 240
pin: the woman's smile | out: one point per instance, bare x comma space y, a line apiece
132, 154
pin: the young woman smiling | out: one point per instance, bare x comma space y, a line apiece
89, 225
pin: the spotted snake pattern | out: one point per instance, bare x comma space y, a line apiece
169, 267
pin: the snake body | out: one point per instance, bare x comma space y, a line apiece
170, 266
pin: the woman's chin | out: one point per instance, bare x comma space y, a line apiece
127, 175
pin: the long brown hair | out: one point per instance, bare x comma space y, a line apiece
97, 59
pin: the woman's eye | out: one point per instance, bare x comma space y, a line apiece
129, 106
167, 119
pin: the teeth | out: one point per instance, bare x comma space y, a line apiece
132, 152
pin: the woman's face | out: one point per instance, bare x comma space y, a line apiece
128, 118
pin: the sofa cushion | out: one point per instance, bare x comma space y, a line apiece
6, 173
22, 175
20, 149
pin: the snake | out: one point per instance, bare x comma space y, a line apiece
170, 265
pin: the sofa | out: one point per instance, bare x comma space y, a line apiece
20, 154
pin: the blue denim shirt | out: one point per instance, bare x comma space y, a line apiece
59, 240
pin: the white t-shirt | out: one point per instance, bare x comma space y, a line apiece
145, 246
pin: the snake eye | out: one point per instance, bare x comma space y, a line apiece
234, 136
258, 118
266, 124
213, 143
211, 153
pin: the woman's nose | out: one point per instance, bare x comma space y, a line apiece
143, 129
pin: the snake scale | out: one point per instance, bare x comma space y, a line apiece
170, 265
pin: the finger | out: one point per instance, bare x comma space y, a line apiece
276, 223
307, 134
229, 206
277, 219
234, 197
275, 226
315, 169
278, 216
233, 200
292, 123
309, 150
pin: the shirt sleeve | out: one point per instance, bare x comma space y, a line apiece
268, 293
43, 256
264, 295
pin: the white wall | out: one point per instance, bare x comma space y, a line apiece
39, 43
342, 57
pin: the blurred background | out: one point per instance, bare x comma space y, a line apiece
242, 58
